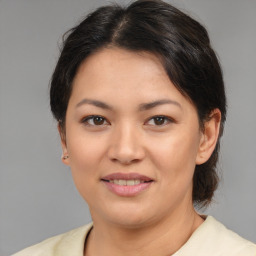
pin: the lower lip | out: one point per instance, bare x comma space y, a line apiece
127, 191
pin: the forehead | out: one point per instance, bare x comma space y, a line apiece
115, 74
115, 66
111, 60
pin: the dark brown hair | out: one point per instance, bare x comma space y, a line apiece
180, 42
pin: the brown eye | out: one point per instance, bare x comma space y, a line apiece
95, 121
159, 120
98, 120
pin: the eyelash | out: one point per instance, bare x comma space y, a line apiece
93, 118
166, 119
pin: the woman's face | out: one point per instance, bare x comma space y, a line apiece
132, 139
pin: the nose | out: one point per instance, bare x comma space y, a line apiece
126, 145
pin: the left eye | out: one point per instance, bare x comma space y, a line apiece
95, 120
159, 120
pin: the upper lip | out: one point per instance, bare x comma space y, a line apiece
126, 176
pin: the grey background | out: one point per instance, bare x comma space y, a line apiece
37, 195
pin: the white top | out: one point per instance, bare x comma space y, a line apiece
210, 239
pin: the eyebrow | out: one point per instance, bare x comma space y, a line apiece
153, 104
142, 107
95, 103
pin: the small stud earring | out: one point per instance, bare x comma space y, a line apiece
65, 157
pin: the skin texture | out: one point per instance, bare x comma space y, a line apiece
160, 219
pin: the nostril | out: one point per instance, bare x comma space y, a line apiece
126, 153
126, 162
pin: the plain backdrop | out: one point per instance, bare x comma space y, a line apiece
37, 195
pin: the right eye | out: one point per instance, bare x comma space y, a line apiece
95, 120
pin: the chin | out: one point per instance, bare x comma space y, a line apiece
131, 222
130, 217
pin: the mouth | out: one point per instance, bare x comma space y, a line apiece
127, 184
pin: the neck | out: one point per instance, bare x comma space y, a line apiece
162, 238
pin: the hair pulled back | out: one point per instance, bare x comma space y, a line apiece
181, 43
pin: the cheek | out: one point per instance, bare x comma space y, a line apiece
86, 154
84, 149
175, 155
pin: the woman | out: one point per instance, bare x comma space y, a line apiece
139, 98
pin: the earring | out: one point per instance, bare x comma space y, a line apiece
65, 157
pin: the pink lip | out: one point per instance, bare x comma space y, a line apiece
126, 176
125, 190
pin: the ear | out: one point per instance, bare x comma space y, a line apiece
209, 137
65, 156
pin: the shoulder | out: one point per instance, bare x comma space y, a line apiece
213, 238
69, 243
228, 240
